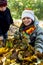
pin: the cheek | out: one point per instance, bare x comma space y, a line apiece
30, 20
27, 22
3, 8
23, 21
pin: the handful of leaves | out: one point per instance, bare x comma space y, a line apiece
20, 51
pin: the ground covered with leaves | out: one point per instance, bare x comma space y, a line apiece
17, 51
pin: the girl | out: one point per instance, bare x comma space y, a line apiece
31, 28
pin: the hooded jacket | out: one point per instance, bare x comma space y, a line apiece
36, 37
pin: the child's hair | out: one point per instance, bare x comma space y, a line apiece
3, 3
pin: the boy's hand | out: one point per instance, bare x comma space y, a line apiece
1, 37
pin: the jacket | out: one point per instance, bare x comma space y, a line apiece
5, 21
36, 37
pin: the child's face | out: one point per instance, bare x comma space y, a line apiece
27, 21
3, 8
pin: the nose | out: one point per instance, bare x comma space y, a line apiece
26, 19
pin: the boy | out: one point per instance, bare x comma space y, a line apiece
5, 19
30, 27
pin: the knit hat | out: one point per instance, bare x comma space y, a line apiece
3, 3
28, 13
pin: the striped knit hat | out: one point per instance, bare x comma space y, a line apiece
3, 3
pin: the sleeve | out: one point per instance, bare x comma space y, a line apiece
0, 32
39, 40
11, 20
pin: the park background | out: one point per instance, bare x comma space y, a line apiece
17, 6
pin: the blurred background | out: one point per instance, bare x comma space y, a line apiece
17, 6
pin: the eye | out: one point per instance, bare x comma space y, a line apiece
28, 18
24, 18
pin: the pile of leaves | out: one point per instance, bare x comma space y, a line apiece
17, 51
